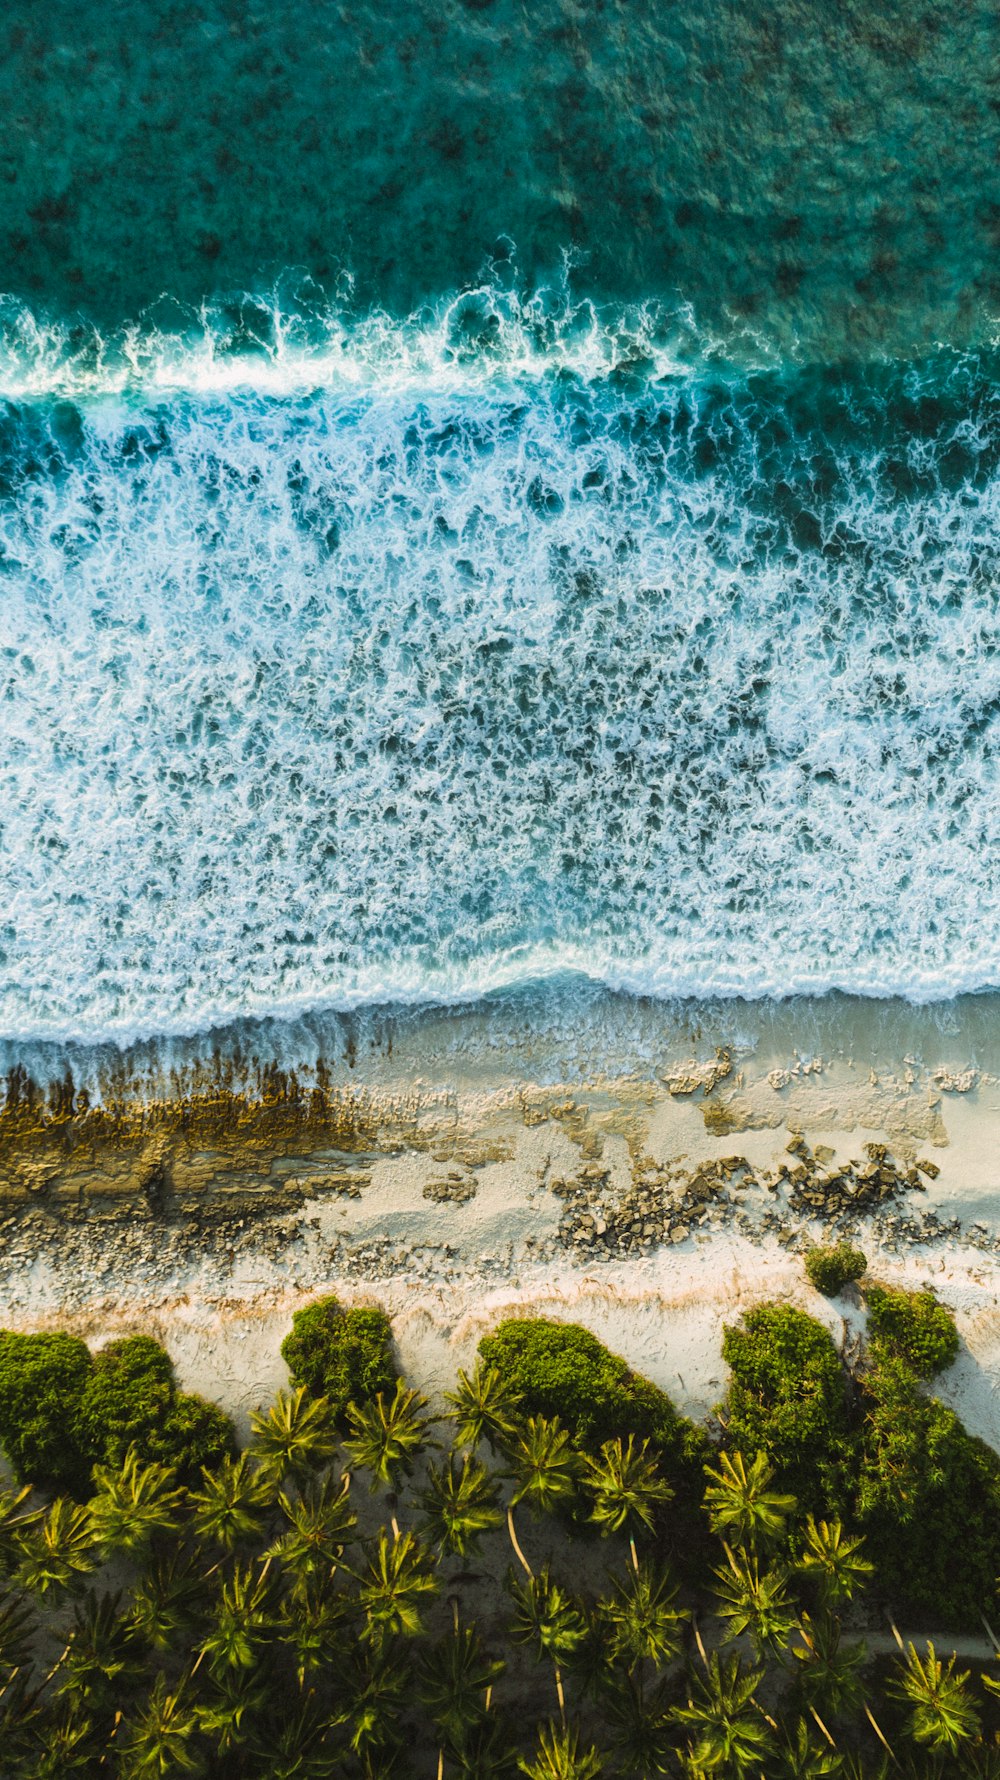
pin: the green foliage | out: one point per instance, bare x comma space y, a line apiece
788, 1399
131, 1400
561, 1371
342, 1355
42, 1383
928, 1500
833, 1266
128, 1396
914, 1326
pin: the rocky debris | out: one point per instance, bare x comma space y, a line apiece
961, 1081
315, 1186
456, 1189
689, 1077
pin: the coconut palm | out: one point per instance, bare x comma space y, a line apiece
320, 1521
459, 1503
311, 1625
829, 1669
454, 1678
101, 1655
160, 1740
805, 1754
834, 1560
241, 1622
754, 1601
293, 1437
228, 1508
559, 1755
17, 1626
486, 1751
133, 1503
943, 1714
296, 1747
545, 1467
387, 1434
741, 1503
625, 1486
377, 1681
641, 1617
62, 1743
547, 1616
639, 1729
233, 1699
728, 1735
485, 1408
166, 1599
398, 1579
15, 1519
59, 1549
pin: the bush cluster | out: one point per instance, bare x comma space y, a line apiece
64, 1410
343, 1355
832, 1267
271, 1618
561, 1369
914, 1326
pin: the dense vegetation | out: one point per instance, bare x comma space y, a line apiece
523, 1583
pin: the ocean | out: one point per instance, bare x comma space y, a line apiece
496, 503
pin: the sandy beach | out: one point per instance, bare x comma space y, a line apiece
652, 1205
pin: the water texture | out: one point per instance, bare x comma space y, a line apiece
625, 610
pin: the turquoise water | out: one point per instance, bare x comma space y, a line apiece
492, 499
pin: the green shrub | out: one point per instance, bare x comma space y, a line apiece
914, 1326
194, 1433
562, 1369
42, 1382
787, 1398
928, 1500
343, 1355
831, 1268
128, 1395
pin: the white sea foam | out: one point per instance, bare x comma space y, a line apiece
407, 683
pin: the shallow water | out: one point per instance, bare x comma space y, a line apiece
626, 612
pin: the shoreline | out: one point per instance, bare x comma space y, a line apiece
653, 1208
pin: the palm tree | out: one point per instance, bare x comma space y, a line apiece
398, 1579
804, 1757
639, 1729
548, 1616
311, 1625
17, 1627
833, 1560
160, 1741
13, 1524
166, 1599
545, 1467
755, 1601
625, 1485
133, 1503
741, 1502
729, 1736
642, 1618
63, 1743
454, 1678
485, 1408
829, 1670
944, 1717
229, 1506
320, 1521
377, 1682
459, 1503
296, 1747
485, 1751
387, 1434
101, 1653
293, 1437
233, 1698
58, 1549
559, 1756
242, 1621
